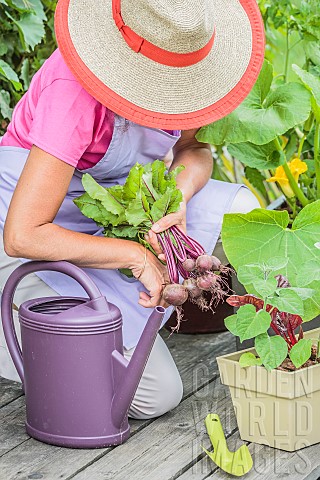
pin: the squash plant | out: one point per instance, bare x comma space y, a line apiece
275, 132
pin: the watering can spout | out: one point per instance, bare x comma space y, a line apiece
128, 374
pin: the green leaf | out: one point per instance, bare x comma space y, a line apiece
10, 74
312, 83
175, 201
93, 209
249, 273
160, 207
135, 213
125, 231
263, 157
158, 176
256, 178
300, 352
248, 359
147, 187
106, 196
256, 237
272, 350
312, 50
171, 176
266, 286
5, 109
25, 73
251, 323
231, 324
263, 115
287, 300
31, 29
133, 183
308, 273
276, 263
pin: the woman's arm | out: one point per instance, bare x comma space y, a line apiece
30, 233
197, 159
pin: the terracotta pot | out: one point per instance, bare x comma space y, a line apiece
275, 408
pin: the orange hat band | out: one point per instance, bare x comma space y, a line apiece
141, 45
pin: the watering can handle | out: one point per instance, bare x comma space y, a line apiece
9, 291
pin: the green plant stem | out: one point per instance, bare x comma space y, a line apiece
286, 63
295, 44
295, 187
301, 143
293, 184
316, 156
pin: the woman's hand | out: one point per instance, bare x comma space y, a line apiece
178, 218
154, 276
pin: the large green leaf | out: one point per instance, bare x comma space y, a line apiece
31, 28
260, 235
263, 115
271, 350
263, 157
312, 83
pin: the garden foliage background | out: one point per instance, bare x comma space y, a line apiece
293, 37
26, 41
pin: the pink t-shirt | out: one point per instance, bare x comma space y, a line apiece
60, 117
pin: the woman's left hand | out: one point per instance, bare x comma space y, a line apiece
178, 218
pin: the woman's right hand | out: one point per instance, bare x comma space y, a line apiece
154, 276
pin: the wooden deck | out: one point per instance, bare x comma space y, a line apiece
165, 448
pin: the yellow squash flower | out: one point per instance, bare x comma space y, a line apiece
296, 167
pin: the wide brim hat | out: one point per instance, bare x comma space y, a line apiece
166, 64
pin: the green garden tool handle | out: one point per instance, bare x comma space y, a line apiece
236, 463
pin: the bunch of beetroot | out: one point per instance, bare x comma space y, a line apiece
201, 272
128, 212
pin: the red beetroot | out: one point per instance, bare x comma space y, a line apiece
189, 265
204, 263
208, 281
175, 294
191, 285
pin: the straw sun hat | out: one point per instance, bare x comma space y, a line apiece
163, 63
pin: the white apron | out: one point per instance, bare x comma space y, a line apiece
131, 143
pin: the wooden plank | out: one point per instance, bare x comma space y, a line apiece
12, 431
166, 446
9, 391
195, 358
268, 462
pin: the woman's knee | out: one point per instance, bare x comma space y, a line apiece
244, 201
159, 398
160, 388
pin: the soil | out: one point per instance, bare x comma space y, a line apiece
288, 366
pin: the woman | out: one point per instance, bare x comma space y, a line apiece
129, 82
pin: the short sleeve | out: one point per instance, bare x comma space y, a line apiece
64, 120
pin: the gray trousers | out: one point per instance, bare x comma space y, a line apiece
160, 388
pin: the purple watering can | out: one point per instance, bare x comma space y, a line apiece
77, 383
